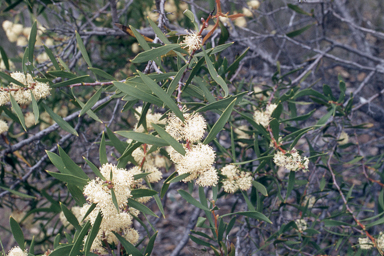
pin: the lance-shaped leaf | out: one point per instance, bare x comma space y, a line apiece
168, 138
10, 79
17, 233
102, 73
191, 200
118, 144
92, 101
4, 58
17, 193
291, 183
176, 80
250, 214
143, 138
103, 151
156, 89
92, 234
35, 108
260, 187
298, 9
137, 193
220, 123
71, 81
52, 58
79, 240
299, 31
70, 179
136, 92
154, 53
32, 41
60, 121
128, 246
70, 216
17, 109
82, 49
142, 208
212, 71
71, 166
150, 245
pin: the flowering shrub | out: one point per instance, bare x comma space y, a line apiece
266, 168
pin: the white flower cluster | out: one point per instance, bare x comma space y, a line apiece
365, 243
311, 200
98, 191
236, 179
291, 161
241, 134
150, 118
3, 126
199, 158
264, 117
380, 241
344, 138
76, 210
16, 251
301, 225
192, 41
22, 95
20, 34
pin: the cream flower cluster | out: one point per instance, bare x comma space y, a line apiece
150, 163
365, 243
301, 225
3, 126
344, 138
98, 191
264, 117
380, 241
192, 41
311, 200
236, 179
76, 210
191, 130
22, 95
199, 158
150, 118
241, 134
16, 251
20, 34
291, 161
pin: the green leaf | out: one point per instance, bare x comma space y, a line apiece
291, 183
166, 184
79, 240
32, 41
150, 244
298, 9
103, 151
102, 73
52, 58
218, 79
158, 32
70, 216
118, 144
260, 187
253, 215
4, 58
89, 112
82, 49
70, 179
156, 89
76, 80
61, 73
325, 118
35, 108
114, 200
168, 138
58, 162
128, 246
71, 166
137, 193
91, 102
60, 121
333, 223
220, 123
62, 250
176, 80
154, 53
191, 200
92, 234
77, 194
140, 39
274, 124
17, 233
90, 209
94, 169
138, 93
220, 104
17, 109
233, 67
143, 138
17, 193
299, 31
10, 79
142, 208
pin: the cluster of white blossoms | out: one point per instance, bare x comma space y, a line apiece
311, 200
3, 126
98, 191
343, 139
291, 161
20, 34
365, 243
22, 95
236, 179
301, 225
241, 134
199, 158
380, 241
192, 41
150, 118
264, 117
17, 251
